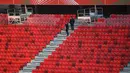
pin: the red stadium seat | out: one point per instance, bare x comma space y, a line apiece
90, 49
21, 43
49, 19
114, 20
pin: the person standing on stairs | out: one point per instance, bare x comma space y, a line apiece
72, 21
67, 28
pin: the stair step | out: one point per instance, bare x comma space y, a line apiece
33, 61
126, 69
63, 31
28, 69
125, 72
45, 54
33, 64
46, 51
52, 46
56, 42
60, 39
59, 42
39, 58
49, 48
129, 65
61, 35
24, 72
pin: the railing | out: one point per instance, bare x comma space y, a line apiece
90, 12
18, 15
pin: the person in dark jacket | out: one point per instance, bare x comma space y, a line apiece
72, 21
67, 28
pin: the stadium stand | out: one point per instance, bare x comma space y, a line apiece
21, 43
33, 38
49, 19
91, 49
118, 19
114, 20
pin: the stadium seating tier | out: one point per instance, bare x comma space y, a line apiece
91, 49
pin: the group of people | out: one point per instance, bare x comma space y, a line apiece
72, 21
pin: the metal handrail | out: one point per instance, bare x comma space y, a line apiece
87, 11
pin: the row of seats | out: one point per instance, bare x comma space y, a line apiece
19, 44
43, 19
119, 16
117, 21
50, 19
56, 15
114, 20
100, 54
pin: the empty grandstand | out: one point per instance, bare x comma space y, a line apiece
33, 37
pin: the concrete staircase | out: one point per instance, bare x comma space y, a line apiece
46, 52
126, 69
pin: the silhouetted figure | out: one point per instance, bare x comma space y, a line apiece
67, 29
72, 21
